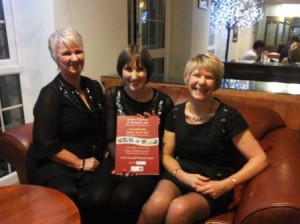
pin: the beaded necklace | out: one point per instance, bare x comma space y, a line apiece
203, 117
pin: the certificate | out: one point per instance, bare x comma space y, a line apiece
137, 145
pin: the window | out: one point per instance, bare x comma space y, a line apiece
10, 102
4, 52
11, 106
147, 25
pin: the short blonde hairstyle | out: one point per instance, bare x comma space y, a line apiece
208, 62
67, 36
294, 52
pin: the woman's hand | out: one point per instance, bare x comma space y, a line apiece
215, 188
191, 179
147, 114
125, 173
204, 185
91, 164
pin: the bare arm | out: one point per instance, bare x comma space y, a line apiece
256, 162
67, 158
172, 166
168, 159
257, 159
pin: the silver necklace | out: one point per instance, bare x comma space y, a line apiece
201, 118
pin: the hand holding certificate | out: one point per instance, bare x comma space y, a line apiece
137, 145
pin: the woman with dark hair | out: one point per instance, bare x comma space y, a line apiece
124, 195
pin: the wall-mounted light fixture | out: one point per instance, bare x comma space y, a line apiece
203, 4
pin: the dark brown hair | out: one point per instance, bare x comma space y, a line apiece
136, 53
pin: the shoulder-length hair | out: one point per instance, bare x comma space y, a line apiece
139, 55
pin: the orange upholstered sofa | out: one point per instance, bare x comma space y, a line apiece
272, 197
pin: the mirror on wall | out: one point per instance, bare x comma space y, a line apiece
279, 31
276, 32
280, 22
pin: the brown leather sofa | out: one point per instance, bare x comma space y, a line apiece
272, 197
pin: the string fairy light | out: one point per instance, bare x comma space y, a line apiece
227, 14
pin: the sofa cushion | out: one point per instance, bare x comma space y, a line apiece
262, 122
265, 145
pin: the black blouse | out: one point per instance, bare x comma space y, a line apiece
63, 121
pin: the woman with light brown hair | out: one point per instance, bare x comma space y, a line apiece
200, 139
293, 54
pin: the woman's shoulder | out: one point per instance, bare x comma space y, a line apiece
227, 111
162, 95
51, 87
225, 107
179, 108
86, 81
113, 90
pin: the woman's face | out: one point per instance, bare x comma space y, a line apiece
70, 60
134, 78
201, 84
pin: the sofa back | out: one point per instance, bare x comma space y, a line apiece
14, 145
261, 119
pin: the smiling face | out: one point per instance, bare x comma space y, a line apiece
203, 74
134, 77
70, 59
201, 84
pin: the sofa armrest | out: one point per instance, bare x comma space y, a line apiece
14, 145
273, 196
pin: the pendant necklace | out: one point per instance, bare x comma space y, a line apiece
203, 117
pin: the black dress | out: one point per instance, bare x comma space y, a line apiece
63, 121
206, 148
123, 197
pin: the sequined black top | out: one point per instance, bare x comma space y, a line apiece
63, 121
119, 103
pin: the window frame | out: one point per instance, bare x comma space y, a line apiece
10, 66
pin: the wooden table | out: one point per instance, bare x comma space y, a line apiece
30, 204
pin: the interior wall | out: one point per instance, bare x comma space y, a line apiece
245, 42
103, 25
180, 36
200, 28
33, 21
189, 35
